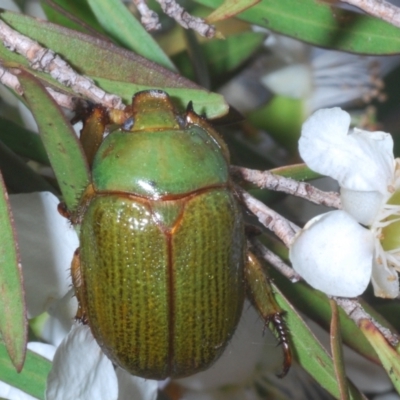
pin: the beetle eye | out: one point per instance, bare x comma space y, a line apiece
181, 121
128, 124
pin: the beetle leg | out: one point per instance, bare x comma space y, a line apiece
63, 210
81, 314
260, 293
93, 130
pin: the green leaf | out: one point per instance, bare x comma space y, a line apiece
229, 9
299, 172
337, 351
316, 305
32, 379
59, 138
194, 58
318, 23
13, 323
119, 22
211, 104
223, 56
73, 14
310, 354
23, 141
90, 55
388, 355
282, 118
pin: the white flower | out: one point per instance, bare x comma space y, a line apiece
323, 78
334, 253
82, 371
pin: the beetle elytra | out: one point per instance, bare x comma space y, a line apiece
163, 267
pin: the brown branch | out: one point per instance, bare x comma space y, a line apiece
280, 226
182, 17
45, 60
381, 9
148, 17
63, 100
275, 261
10, 80
357, 313
268, 180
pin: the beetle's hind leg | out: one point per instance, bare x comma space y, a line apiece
260, 293
81, 314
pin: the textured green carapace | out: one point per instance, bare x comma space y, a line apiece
160, 278
160, 163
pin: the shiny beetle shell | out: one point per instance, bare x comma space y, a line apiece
160, 276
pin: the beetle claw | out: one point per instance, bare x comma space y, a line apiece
280, 326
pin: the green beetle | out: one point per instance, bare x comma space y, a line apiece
162, 268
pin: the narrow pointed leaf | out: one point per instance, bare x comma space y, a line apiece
119, 22
316, 305
310, 354
73, 14
223, 56
198, 62
229, 9
32, 379
388, 355
337, 351
319, 23
300, 172
204, 102
13, 323
92, 56
282, 118
59, 138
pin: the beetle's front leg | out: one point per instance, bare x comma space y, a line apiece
260, 293
81, 314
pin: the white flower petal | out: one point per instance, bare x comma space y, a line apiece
60, 320
358, 160
43, 349
363, 206
11, 393
81, 370
294, 81
134, 387
46, 242
285, 49
333, 253
238, 362
385, 281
